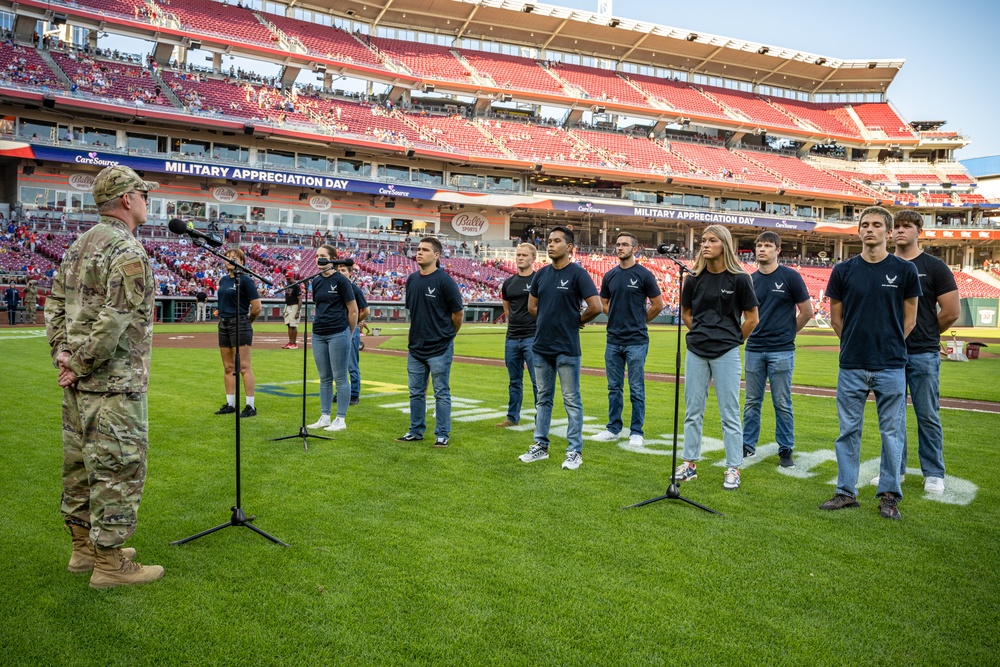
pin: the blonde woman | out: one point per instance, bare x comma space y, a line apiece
235, 329
717, 296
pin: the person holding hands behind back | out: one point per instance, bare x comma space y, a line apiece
237, 329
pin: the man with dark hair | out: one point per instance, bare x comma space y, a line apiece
354, 368
555, 296
436, 312
625, 291
937, 310
873, 308
520, 331
13, 299
770, 351
293, 300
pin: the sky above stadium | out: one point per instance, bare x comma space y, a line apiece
950, 50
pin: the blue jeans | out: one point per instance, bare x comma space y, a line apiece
853, 386
568, 369
354, 367
332, 353
616, 358
725, 372
517, 354
439, 368
923, 377
776, 367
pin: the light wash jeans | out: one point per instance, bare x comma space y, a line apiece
725, 372
332, 354
776, 367
439, 369
923, 377
568, 370
517, 354
616, 358
853, 386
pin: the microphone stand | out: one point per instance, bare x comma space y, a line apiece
673, 491
238, 517
303, 433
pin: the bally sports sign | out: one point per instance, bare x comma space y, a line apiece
470, 224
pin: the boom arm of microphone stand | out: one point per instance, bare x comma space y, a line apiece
305, 280
679, 263
245, 269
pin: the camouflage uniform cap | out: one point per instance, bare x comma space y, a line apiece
118, 180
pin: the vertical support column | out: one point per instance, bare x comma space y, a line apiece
217, 62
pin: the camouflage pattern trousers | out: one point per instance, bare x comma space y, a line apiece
30, 312
104, 462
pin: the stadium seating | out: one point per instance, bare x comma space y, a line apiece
457, 133
23, 66
969, 286
794, 170
635, 153
363, 120
601, 85
937, 198
215, 18
917, 178
513, 72
960, 178
426, 60
679, 95
881, 116
234, 98
719, 163
110, 79
135, 9
830, 118
972, 198
751, 106
541, 143
326, 41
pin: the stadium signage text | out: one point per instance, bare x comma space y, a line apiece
84, 182
225, 194
320, 203
470, 224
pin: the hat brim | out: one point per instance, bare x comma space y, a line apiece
150, 185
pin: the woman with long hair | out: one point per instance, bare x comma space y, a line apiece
717, 296
236, 328
334, 324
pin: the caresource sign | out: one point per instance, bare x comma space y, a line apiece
470, 224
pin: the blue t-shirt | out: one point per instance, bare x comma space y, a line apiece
935, 279
717, 302
560, 293
227, 295
331, 294
359, 296
431, 300
627, 291
873, 297
777, 293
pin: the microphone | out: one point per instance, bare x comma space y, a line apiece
322, 261
178, 226
667, 249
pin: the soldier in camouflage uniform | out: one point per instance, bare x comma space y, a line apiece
99, 321
30, 302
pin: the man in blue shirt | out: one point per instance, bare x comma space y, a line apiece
770, 351
625, 290
363, 312
555, 297
520, 331
435, 306
873, 308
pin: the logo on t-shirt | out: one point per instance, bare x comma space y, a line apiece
889, 281
778, 286
563, 284
333, 289
527, 288
430, 292
633, 282
726, 291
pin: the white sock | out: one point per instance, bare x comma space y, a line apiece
250, 401
231, 400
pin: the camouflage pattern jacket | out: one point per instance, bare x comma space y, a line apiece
101, 309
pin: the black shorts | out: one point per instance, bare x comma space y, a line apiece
227, 332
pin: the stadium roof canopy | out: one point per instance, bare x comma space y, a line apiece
577, 31
983, 167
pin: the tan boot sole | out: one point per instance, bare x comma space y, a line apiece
87, 564
106, 581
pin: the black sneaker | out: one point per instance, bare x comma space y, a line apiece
749, 453
441, 442
888, 509
247, 412
839, 502
355, 400
226, 409
785, 460
409, 437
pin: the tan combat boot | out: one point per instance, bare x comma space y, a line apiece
82, 558
111, 569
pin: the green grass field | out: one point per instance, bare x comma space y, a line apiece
409, 555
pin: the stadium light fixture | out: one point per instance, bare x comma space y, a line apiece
527, 9
691, 37
872, 65
614, 23
763, 50
821, 61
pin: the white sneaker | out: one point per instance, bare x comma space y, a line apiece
604, 436
876, 478
323, 422
635, 441
732, 480
338, 424
573, 461
536, 452
934, 485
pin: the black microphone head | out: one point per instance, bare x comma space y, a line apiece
667, 249
323, 261
177, 226
348, 262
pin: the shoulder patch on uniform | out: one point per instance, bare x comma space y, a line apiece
132, 268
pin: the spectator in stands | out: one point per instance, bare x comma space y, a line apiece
31, 302
556, 293
625, 290
293, 300
873, 308
436, 315
937, 311
770, 352
354, 369
13, 299
335, 321
201, 299
520, 332
716, 297
236, 330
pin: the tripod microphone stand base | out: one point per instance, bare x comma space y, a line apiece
673, 493
238, 519
304, 434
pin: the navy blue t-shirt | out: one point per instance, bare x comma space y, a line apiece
227, 295
331, 294
515, 291
873, 297
560, 293
359, 297
431, 300
627, 291
777, 293
717, 302
935, 279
